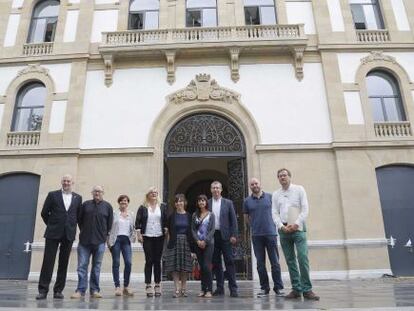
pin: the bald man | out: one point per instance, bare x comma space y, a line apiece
95, 223
258, 210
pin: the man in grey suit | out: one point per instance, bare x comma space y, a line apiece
224, 237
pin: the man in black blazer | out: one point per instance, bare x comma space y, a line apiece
224, 237
59, 213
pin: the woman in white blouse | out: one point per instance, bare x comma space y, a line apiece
120, 238
151, 226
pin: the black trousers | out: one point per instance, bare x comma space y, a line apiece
223, 248
153, 247
49, 257
205, 257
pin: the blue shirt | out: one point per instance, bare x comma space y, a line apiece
181, 223
260, 214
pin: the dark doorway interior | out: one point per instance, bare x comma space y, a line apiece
395, 185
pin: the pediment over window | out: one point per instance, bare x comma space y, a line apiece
33, 68
376, 56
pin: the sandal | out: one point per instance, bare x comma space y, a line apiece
184, 293
157, 289
177, 294
148, 290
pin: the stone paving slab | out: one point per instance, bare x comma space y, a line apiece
372, 294
334, 309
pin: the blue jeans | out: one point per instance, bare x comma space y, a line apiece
84, 254
261, 244
122, 244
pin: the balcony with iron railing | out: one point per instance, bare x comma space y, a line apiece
229, 39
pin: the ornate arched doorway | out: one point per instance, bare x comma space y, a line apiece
199, 149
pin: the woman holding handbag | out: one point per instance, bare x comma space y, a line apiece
203, 227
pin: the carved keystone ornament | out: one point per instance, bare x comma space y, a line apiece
203, 88
377, 56
33, 68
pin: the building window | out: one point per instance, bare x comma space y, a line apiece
28, 113
201, 13
259, 12
143, 14
366, 14
385, 97
44, 21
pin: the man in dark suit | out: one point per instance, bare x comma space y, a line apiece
224, 238
60, 216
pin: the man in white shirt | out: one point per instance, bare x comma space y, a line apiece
59, 213
289, 211
224, 237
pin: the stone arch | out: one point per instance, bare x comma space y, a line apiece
204, 95
204, 128
403, 163
32, 73
21, 172
27, 11
379, 61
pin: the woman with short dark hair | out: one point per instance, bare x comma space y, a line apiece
178, 261
119, 241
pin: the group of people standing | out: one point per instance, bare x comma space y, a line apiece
208, 235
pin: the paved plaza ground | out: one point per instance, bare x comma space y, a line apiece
370, 294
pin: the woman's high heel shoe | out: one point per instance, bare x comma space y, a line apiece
148, 290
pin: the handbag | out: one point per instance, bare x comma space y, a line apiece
196, 273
